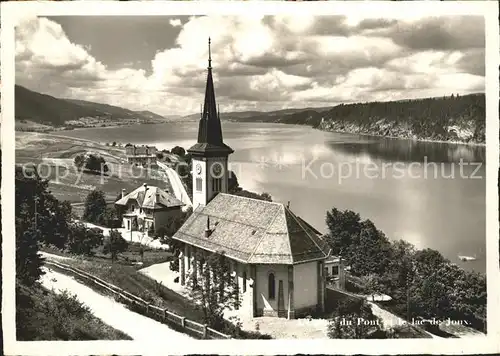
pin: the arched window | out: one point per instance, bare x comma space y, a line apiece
271, 286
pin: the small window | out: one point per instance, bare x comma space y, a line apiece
133, 207
244, 281
199, 184
271, 286
335, 270
216, 184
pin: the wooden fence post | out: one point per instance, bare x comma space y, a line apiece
147, 308
165, 314
183, 322
205, 331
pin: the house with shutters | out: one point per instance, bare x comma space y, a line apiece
148, 209
277, 258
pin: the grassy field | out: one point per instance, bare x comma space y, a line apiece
54, 155
131, 257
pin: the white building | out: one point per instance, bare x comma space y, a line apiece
148, 207
277, 257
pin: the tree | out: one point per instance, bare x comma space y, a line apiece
353, 319
233, 185
82, 240
114, 244
91, 162
95, 207
373, 285
343, 227
39, 219
213, 287
179, 151
159, 155
79, 161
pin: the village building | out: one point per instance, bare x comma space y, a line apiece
335, 272
277, 258
140, 155
148, 209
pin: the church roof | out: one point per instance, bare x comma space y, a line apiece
253, 231
209, 130
150, 197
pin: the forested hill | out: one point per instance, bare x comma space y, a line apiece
452, 118
49, 110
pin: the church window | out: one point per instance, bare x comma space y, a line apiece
216, 184
271, 286
244, 281
198, 184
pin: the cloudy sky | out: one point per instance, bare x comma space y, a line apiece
159, 63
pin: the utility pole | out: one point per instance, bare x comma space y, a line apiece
36, 212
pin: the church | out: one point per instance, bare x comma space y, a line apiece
277, 258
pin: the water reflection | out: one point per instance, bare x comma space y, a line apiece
408, 150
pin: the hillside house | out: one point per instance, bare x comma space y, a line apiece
278, 259
140, 155
148, 208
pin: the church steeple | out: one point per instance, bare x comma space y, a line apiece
210, 153
210, 130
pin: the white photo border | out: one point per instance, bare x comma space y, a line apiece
12, 12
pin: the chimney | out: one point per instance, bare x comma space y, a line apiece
208, 231
123, 193
288, 205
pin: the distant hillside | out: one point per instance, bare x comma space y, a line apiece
238, 116
453, 118
48, 110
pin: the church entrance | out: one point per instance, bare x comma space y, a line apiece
281, 301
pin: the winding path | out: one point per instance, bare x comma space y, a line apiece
177, 186
112, 313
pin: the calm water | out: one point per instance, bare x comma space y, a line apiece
416, 191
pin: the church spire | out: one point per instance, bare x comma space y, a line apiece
209, 55
210, 130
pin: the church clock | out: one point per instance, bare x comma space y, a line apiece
198, 168
217, 168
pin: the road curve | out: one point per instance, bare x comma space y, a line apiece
176, 183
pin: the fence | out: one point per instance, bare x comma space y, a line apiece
141, 306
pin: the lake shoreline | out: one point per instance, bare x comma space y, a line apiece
477, 144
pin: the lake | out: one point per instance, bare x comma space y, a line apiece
429, 194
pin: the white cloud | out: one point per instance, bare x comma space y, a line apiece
175, 22
258, 63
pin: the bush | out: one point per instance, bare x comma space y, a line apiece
44, 315
95, 207
83, 241
91, 162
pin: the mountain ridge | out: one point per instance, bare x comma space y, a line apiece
455, 118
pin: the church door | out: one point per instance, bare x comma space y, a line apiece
281, 301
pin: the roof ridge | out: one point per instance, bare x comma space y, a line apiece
263, 235
288, 234
262, 200
306, 231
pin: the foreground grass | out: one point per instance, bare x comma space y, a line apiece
44, 315
130, 257
128, 278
